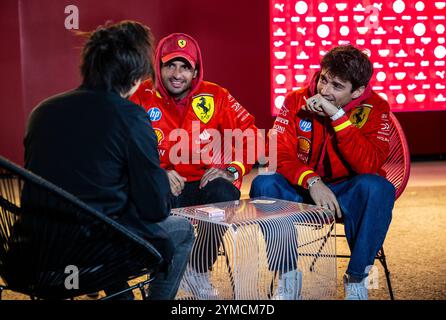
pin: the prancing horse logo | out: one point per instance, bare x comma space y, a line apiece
203, 106
360, 115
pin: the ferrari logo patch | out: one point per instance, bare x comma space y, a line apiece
203, 107
182, 43
360, 115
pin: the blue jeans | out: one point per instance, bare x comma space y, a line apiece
180, 231
366, 202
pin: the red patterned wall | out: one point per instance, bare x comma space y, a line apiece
404, 39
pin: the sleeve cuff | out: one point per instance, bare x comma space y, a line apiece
239, 166
337, 115
303, 178
341, 123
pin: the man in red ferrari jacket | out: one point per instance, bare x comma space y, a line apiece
332, 143
190, 117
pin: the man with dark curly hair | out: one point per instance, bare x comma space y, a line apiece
99, 146
333, 139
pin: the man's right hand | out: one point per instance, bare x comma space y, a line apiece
176, 182
324, 197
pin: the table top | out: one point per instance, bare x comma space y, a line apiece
256, 210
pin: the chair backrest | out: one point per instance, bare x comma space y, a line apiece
397, 165
47, 234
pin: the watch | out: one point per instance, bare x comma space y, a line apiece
233, 171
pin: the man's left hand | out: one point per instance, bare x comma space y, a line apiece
321, 106
214, 173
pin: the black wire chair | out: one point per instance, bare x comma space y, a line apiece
53, 246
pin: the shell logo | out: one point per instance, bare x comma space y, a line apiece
304, 145
159, 135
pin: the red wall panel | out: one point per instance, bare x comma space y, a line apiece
42, 57
425, 132
232, 35
12, 117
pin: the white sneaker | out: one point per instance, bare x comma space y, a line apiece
355, 290
199, 285
289, 286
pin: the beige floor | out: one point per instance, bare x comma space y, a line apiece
416, 242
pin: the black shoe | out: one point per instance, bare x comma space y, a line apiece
128, 295
93, 295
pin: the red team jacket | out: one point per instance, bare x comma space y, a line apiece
207, 108
309, 145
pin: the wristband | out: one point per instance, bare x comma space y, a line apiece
337, 115
313, 182
233, 171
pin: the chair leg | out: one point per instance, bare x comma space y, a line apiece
1, 291
143, 289
324, 241
382, 258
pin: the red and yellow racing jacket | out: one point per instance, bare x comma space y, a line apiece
192, 141
309, 145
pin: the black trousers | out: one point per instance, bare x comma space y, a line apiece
209, 236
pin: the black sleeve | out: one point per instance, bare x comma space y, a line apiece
149, 185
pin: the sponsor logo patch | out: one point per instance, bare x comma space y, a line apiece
283, 111
303, 157
159, 135
205, 135
360, 115
182, 43
303, 145
305, 125
282, 120
279, 129
155, 114
203, 106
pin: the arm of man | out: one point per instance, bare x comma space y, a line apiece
243, 152
365, 148
149, 185
176, 182
288, 164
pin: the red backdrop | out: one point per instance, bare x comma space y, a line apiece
404, 39
39, 57
42, 56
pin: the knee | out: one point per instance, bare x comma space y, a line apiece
222, 190
376, 186
190, 233
183, 227
263, 185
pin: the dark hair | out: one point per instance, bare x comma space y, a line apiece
349, 64
116, 55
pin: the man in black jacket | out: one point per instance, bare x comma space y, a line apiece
101, 147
